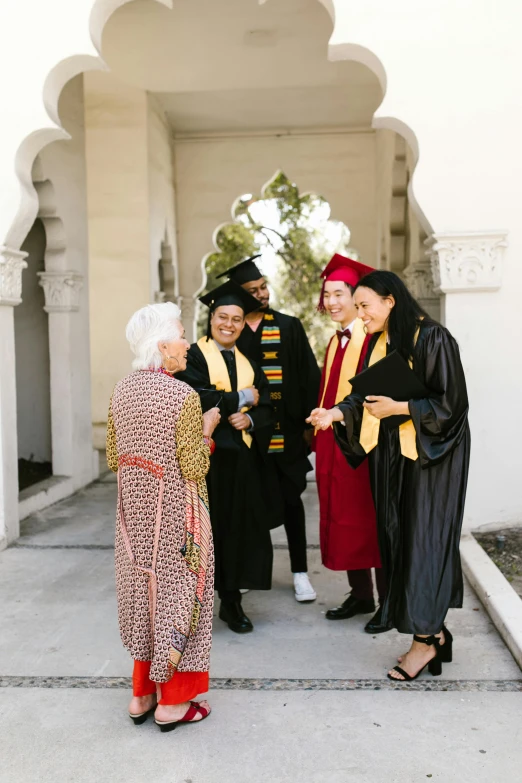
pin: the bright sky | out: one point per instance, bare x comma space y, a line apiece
336, 236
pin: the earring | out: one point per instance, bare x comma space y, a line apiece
169, 358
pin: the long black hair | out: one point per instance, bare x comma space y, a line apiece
405, 316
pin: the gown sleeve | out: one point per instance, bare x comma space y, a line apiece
309, 375
111, 447
348, 431
192, 453
196, 375
441, 419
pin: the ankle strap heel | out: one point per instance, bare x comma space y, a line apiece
434, 666
429, 640
446, 649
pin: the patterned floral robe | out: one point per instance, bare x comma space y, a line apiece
164, 550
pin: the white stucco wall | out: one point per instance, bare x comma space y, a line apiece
212, 173
162, 211
118, 208
451, 70
131, 212
464, 108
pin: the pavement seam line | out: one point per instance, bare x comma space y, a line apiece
273, 684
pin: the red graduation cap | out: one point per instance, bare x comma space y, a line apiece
343, 269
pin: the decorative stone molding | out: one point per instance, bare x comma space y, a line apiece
159, 297
419, 279
12, 262
62, 291
467, 262
187, 305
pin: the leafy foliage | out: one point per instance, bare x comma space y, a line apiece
296, 237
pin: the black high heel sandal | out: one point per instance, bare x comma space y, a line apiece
446, 649
434, 666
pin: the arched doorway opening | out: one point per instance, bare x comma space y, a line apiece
198, 102
33, 374
295, 236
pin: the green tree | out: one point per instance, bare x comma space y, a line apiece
297, 241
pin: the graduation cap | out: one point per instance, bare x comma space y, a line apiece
342, 269
229, 293
244, 272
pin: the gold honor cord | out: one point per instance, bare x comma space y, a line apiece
370, 424
349, 365
219, 377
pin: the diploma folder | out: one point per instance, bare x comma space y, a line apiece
390, 377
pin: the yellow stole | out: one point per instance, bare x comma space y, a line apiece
218, 373
349, 365
370, 424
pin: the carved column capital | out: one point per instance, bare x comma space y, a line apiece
62, 291
12, 262
419, 279
465, 262
188, 307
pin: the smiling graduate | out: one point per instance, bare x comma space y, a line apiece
239, 476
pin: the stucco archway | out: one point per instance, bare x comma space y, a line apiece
86, 56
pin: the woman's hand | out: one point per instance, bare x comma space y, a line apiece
382, 407
322, 418
240, 421
210, 421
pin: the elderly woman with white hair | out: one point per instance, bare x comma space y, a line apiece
159, 443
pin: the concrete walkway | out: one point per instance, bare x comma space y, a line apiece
301, 700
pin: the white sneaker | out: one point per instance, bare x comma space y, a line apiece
303, 588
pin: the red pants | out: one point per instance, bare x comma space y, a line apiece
183, 686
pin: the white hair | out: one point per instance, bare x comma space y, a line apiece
153, 324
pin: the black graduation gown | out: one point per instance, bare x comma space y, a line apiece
240, 513
420, 504
301, 380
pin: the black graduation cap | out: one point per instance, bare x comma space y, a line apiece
230, 293
244, 272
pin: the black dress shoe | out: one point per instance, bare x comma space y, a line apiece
350, 608
234, 616
375, 625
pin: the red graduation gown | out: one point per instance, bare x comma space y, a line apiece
348, 530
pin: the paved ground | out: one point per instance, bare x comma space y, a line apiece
299, 700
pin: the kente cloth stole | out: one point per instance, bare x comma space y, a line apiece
370, 424
219, 377
271, 364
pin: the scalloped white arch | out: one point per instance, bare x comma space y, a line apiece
33, 144
66, 69
352, 51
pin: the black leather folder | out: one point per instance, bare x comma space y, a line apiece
390, 377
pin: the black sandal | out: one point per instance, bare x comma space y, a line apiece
142, 716
434, 666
